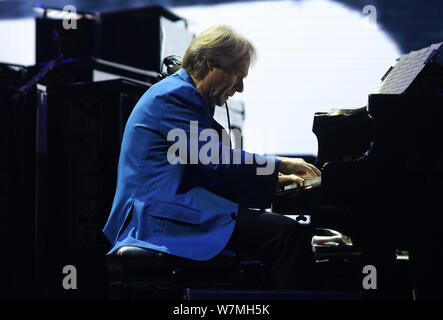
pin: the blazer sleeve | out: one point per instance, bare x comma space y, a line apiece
246, 178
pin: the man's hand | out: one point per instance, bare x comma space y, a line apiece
284, 180
295, 170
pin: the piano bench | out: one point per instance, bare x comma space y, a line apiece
139, 273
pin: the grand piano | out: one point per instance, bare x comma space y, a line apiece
382, 177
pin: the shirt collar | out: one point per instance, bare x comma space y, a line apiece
182, 73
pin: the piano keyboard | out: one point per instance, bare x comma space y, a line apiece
313, 182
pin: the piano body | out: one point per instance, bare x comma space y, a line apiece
382, 179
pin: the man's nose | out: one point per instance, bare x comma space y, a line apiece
239, 86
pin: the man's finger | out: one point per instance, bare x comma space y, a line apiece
284, 180
307, 171
296, 178
310, 170
314, 168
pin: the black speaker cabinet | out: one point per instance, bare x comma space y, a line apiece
17, 178
79, 131
131, 37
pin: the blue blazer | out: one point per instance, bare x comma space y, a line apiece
184, 209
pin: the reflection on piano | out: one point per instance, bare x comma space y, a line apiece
382, 178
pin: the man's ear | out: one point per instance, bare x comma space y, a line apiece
210, 66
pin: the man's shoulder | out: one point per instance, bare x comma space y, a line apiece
173, 91
173, 85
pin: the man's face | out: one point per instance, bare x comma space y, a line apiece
223, 84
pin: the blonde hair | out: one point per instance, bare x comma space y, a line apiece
219, 45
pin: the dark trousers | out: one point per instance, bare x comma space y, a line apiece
280, 242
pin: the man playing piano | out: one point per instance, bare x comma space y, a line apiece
193, 208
